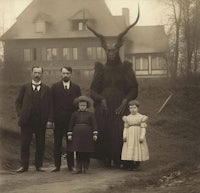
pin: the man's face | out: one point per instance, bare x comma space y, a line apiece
66, 75
37, 74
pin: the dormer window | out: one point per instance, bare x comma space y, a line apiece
41, 22
81, 26
79, 20
40, 27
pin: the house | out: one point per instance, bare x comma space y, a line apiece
53, 33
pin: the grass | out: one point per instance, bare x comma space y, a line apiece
173, 135
177, 124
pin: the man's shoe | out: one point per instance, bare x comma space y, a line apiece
40, 169
55, 170
21, 170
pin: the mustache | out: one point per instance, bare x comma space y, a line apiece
65, 79
37, 77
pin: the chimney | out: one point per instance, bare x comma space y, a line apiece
125, 13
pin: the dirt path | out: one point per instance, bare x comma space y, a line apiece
99, 179
171, 158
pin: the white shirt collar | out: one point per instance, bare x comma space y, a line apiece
36, 84
66, 84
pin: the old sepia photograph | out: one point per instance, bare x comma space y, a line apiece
99, 96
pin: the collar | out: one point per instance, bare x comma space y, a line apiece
36, 83
66, 84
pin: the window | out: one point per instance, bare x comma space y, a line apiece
27, 54
51, 54
43, 54
94, 53
30, 54
91, 53
158, 63
70, 53
79, 25
40, 27
100, 53
142, 63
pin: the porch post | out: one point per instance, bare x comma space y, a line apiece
150, 65
134, 65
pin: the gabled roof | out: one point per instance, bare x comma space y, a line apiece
147, 39
43, 17
81, 14
60, 26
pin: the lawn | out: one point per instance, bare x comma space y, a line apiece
173, 135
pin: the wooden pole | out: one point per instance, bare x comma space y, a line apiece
164, 104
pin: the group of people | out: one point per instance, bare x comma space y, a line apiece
116, 138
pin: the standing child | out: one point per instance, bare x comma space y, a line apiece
82, 133
135, 147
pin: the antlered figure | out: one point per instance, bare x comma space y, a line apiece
113, 86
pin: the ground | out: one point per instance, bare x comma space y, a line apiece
173, 137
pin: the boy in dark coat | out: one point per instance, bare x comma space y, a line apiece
82, 133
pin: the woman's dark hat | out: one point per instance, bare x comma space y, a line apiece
83, 99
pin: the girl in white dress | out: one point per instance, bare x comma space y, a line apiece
135, 147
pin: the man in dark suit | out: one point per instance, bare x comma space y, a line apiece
34, 108
63, 94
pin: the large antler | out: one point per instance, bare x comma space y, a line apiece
121, 35
100, 36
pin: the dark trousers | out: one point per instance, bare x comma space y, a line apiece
83, 160
26, 138
59, 134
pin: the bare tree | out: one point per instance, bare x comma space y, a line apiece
191, 30
184, 36
196, 36
177, 11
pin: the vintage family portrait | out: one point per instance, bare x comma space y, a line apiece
100, 96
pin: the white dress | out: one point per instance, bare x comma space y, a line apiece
134, 130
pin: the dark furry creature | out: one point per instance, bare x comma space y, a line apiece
113, 86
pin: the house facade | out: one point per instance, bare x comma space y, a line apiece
53, 33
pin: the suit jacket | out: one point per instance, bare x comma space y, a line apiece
63, 105
24, 104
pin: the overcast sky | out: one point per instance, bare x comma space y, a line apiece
152, 11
